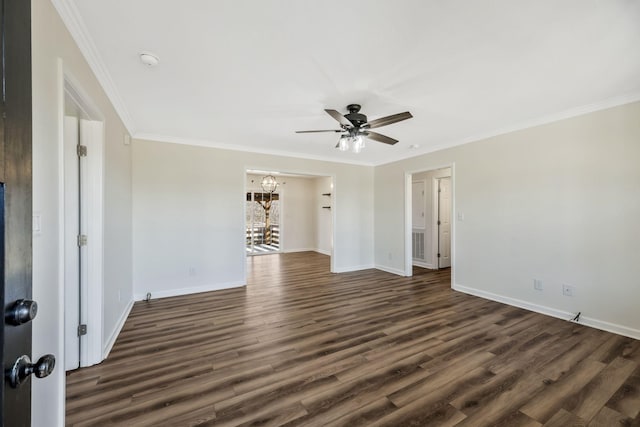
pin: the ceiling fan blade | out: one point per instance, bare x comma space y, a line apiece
384, 121
315, 131
339, 117
380, 137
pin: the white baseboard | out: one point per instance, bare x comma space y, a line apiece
288, 251
423, 264
354, 268
188, 291
391, 270
560, 314
116, 331
320, 251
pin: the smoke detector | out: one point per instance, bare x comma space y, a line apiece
149, 59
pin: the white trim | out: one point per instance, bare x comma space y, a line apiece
560, 314
550, 118
322, 251
82, 99
59, 374
300, 250
419, 263
116, 331
391, 270
435, 235
243, 148
74, 23
408, 224
354, 268
188, 291
334, 209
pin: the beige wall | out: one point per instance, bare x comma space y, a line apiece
188, 212
51, 42
558, 202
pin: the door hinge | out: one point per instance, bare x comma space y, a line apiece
438, 222
438, 255
82, 150
82, 240
82, 330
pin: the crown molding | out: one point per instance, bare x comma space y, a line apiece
73, 21
566, 114
232, 147
555, 117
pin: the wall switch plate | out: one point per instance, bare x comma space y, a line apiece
568, 290
537, 284
460, 216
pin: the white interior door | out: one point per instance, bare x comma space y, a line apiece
83, 258
444, 222
71, 250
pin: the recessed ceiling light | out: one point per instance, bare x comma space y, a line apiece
414, 146
149, 59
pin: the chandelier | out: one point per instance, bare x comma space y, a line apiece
269, 183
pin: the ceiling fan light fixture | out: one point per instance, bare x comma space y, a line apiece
357, 144
343, 144
354, 127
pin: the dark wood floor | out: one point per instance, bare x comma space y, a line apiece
301, 346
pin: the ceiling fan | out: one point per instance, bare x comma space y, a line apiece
354, 126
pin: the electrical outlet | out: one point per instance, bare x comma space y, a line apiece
192, 271
568, 290
537, 284
390, 256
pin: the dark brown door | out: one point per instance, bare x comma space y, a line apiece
16, 219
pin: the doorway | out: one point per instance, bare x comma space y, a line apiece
262, 222
82, 194
300, 209
428, 225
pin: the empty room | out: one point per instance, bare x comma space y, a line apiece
236, 213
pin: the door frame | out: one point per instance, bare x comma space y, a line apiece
246, 170
92, 312
408, 253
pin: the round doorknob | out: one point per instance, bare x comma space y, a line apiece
21, 311
23, 368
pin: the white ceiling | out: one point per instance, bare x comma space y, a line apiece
246, 74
